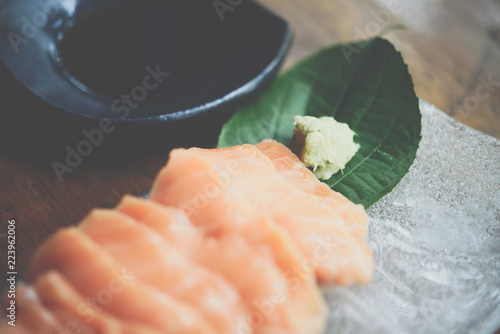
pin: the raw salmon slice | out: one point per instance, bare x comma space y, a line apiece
112, 287
230, 214
158, 263
317, 230
231, 257
294, 171
255, 277
71, 308
278, 300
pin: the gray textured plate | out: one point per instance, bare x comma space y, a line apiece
436, 242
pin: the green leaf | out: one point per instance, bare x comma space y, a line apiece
366, 85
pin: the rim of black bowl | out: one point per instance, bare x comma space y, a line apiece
33, 81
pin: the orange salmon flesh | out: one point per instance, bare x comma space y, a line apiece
233, 240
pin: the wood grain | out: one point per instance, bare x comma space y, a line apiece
451, 47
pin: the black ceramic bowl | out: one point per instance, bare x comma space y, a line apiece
156, 69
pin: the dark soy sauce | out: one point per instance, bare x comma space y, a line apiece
108, 52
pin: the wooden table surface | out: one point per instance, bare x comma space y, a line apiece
452, 48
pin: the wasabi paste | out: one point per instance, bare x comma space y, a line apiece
323, 144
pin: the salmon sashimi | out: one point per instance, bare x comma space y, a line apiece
231, 257
298, 306
229, 214
170, 223
233, 240
160, 264
317, 230
70, 307
304, 310
254, 276
294, 171
111, 287
30, 315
